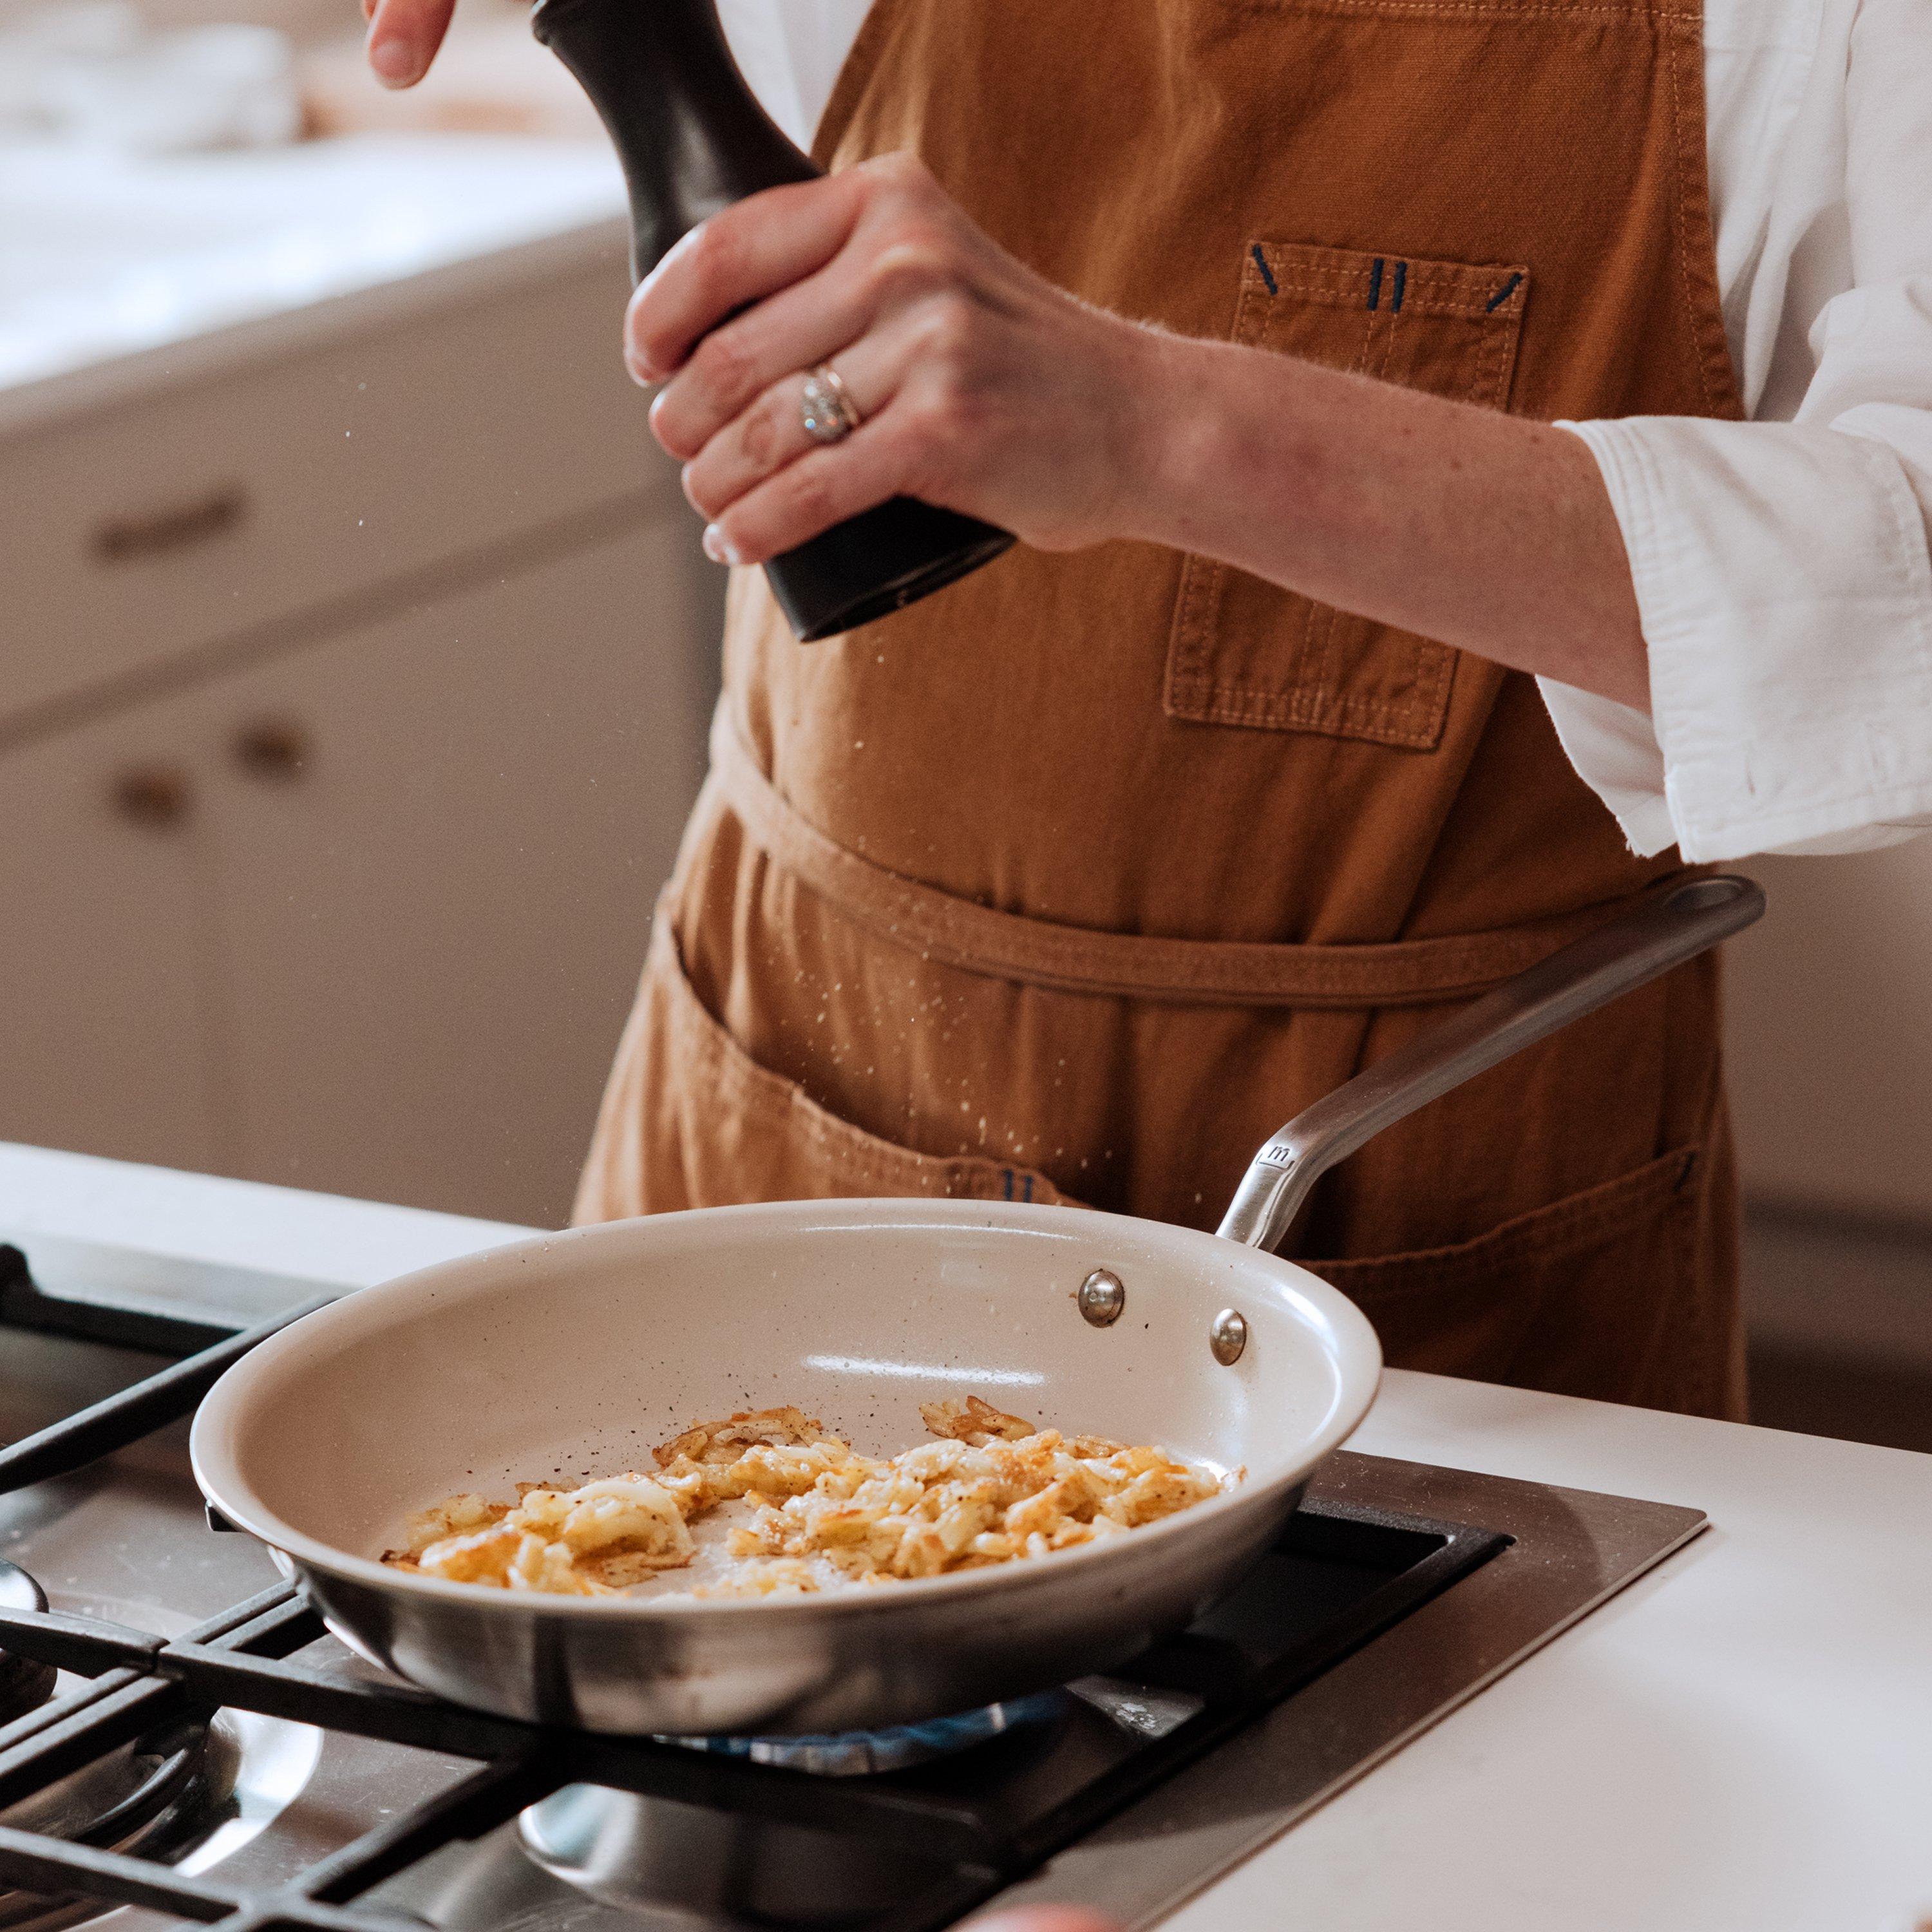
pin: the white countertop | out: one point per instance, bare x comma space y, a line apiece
117, 271
1741, 1742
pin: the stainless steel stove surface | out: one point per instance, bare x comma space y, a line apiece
170, 1775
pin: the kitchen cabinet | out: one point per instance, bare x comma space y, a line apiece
337, 787
433, 922
368, 917
107, 1040
292, 480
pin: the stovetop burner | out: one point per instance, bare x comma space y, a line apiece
147, 1795
1076, 1756
24, 1685
1398, 1591
864, 1754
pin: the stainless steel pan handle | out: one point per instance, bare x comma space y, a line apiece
1670, 924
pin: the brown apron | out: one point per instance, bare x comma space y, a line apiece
1075, 880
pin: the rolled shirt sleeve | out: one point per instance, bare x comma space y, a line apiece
1781, 567
1783, 579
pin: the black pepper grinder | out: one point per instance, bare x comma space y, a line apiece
693, 138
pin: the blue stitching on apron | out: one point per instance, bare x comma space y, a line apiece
1503, 294
1267, 274
1375, 284
1401, 281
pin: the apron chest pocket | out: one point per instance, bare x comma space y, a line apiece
1244, 652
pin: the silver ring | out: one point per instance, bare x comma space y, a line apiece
825, 407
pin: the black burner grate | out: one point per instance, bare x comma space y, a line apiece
969, 1825
1340, 1575
206, 1349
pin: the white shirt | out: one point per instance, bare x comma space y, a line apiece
1781, 564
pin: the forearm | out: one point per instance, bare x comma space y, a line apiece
1479, 530
984, 388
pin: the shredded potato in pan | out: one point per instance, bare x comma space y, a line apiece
778, 1505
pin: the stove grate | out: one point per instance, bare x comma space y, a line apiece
205, 1348
976, 1839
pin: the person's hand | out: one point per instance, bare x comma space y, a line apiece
404, 37
980, 386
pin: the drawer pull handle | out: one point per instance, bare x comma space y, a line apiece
154, 795
273, 749
127, 539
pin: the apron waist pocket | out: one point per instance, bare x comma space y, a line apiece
1597, 1294
717, 1128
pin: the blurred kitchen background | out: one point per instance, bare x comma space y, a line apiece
355, 648
356, 652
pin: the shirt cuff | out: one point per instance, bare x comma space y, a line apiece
1615, 751
1784, 586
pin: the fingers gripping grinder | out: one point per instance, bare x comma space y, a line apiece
693, 138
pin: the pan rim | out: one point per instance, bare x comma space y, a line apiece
1356, 1352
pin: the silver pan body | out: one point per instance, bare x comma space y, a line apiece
564, 1357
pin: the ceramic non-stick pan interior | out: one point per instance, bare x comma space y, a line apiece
566, 1357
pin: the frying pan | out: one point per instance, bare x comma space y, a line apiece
562, 1357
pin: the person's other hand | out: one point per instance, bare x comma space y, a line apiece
404, 37
980, 387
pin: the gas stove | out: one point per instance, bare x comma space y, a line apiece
182, 1740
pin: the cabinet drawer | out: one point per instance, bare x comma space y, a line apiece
135, 533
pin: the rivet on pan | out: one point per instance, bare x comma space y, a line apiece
1228, 1336
1102, 1298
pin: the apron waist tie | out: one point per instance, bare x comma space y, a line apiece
960, 932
